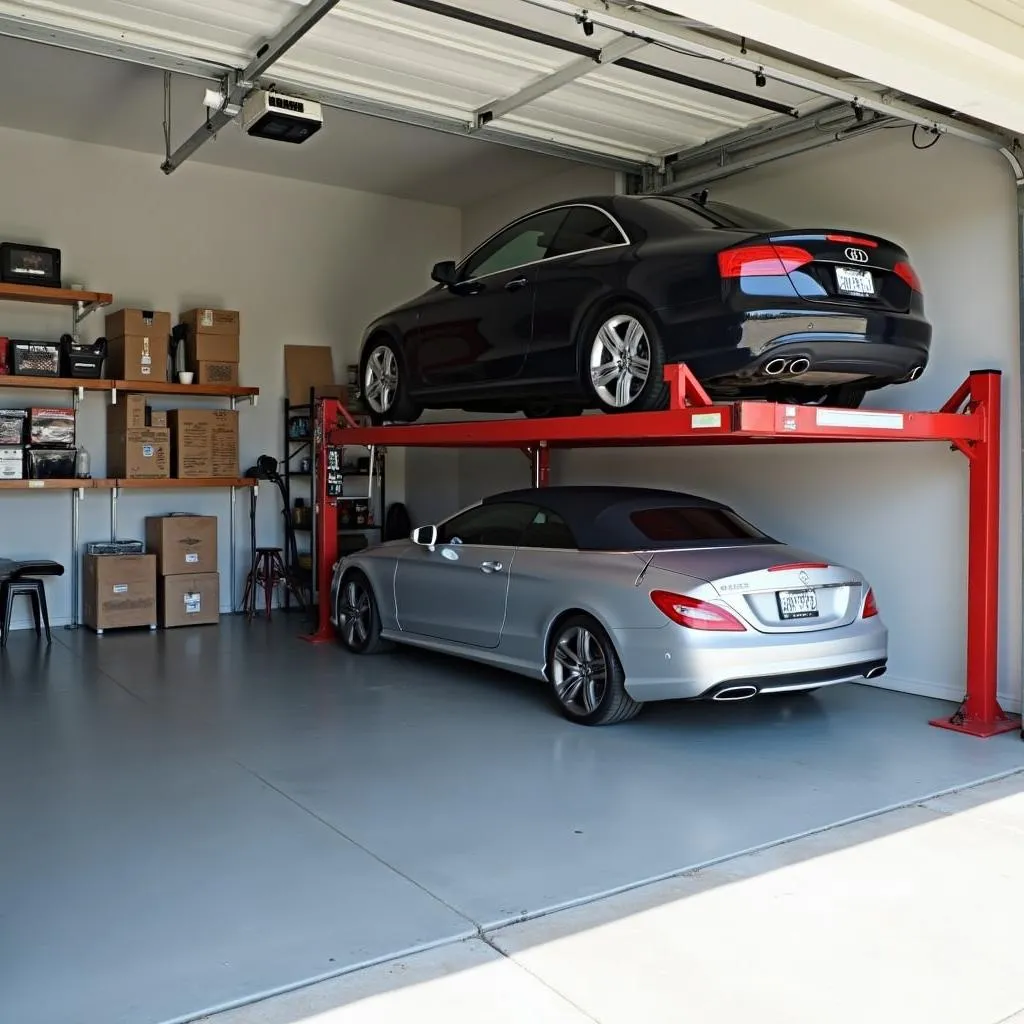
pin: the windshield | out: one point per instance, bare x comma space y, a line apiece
685, 525
715, 214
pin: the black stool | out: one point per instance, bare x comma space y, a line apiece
266, 575
32, 589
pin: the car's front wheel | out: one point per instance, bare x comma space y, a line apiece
586, 675
624, 362
357, 615
385, 383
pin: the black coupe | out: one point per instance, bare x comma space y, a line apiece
582, 304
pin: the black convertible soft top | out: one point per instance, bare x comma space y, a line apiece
600, 516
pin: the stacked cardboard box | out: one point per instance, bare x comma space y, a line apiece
119, 591
188, 585
204, 443
137, 450
212, 344
138, 341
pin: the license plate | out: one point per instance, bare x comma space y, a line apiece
855, 282
798, 604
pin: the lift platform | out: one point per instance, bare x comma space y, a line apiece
969, 423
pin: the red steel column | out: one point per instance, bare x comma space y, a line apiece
328, 418
980, 714
540, 465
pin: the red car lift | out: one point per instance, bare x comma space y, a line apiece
969, 422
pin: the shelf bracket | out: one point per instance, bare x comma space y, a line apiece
84, 309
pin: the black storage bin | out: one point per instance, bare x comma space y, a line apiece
50, 463
82, 361
35, 358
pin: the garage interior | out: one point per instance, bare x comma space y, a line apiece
197, 818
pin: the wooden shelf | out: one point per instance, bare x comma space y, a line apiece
157, 387
185, 485
54, 383
52, 296
55, 485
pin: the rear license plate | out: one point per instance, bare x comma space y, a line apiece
798, 604
855, 282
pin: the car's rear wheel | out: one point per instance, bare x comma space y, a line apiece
586, 675
385, 383
624, 362
358, 618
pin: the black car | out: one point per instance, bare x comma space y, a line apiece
582, 304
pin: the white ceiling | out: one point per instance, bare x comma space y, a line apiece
109, 102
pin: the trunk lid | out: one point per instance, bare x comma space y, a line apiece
773, 588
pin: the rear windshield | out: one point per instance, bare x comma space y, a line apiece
715, 214
685, 525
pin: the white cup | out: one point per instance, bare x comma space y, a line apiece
185, 377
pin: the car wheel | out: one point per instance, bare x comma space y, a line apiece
385, 383
358, 618
624, 362
544, 412
586, 675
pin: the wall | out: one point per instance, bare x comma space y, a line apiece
305, 264
897, 513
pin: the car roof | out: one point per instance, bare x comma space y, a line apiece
599, 515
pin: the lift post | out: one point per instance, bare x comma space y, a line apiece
970, 422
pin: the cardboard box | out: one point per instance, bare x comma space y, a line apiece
139, 453
119, 591
188, 600
207, 322
137, 357
137, 322
208, 372
305, 367
204, 443
183, 543
156, 418
130, 411
212, 336
12, 463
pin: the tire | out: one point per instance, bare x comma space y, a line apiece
384, 383
580, 639
543, 412
616, 389
358, 605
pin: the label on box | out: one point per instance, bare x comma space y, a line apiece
147, 451
192, 557
206, 319
193, 604
120, 588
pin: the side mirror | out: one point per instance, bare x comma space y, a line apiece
444, 273
424, 536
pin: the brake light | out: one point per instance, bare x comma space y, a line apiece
688, 611
762, 260
906, 272
864, 243
870, 605
799, 565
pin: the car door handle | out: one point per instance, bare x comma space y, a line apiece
516, 283
490, 566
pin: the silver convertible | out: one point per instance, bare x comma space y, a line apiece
615, 596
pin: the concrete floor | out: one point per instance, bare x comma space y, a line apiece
197, 818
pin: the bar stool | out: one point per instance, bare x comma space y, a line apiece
33, 589
267, 574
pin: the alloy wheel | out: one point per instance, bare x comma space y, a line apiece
380, 382
354, 615
579, 670
620, 361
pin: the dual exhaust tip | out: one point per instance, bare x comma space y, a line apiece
732, 693
778, 366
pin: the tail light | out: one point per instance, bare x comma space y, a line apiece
906, 272
688, 611
870, 605
762, 260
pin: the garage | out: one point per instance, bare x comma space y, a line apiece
197, 817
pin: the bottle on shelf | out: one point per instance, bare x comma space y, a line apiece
83, 468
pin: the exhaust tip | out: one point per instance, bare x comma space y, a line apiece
915, 373
736, 693
801, 365
775, 366
874, 673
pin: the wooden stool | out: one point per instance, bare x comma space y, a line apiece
267, 574
32, 589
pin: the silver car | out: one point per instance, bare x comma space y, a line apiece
615, 596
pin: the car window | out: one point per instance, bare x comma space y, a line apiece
548, 530
499, 524
525, 242
586, 227
688, 217
693, 524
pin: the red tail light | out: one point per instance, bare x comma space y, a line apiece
870, 605
799, 565
688, 611
762, 260
907, 273
864, 243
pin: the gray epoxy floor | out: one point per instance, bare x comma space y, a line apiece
199, 817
